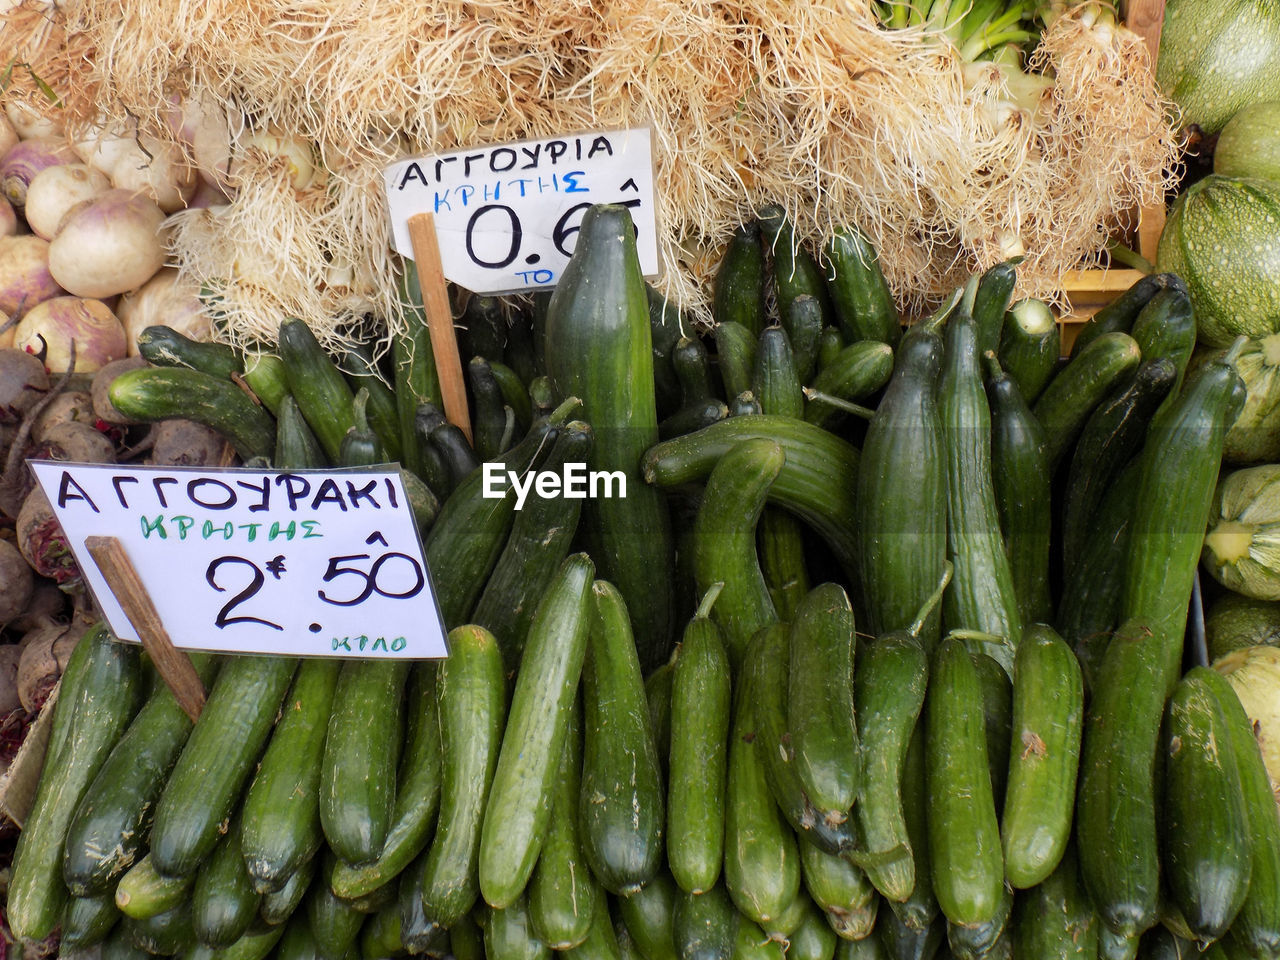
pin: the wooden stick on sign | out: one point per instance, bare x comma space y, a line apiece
444, 341
172, 664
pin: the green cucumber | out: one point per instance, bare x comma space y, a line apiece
508, 934
562, 891
761, 860
780, 542
767, 663
323, 395
1166, 328
981, 941
384, 414
1112, 436
143, 892
361, 751
166, 347
964, 834
264, 375
724, 541
920, 909
859, 292
621, 813
281, 813
277, 906
901, 490
796, 275
256, 944
701, 700
752, 943
739, 295
815, 481
419, 932
86, 921
335, 923
990, 303
691, 418
516, 813
601, 942
1257, 926
119, 945
1054, 918
870, 947
109, 830
482, 329
514, 394
1120, 314
997, 718
1020, 473
1068, 399
381, 934
775, 381
599, 348
692, 365
360, 445
1205, 838
223, 900
905, 943
830, 343
217, 760
648, 914
417, 794
1121, 946
813, 939
1048, 717
296, 443
803, 321
657, 693
465, 939
666, 326
820, 703
981, 595
1179, 475
168, 393
488, 409
164, 934
466, 540
853, 374
471, 692
735, 356
704, 925
1030, 344
1116, 799
101, 687
841, 889
891, 679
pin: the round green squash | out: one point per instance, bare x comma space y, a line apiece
1242, 545
1255, 435
1217, 56
1249, 145
1235, 621
1223, 238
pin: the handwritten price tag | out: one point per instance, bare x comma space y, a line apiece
305, 563
507, 216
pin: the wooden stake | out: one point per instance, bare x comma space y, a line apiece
444, 341
173, 665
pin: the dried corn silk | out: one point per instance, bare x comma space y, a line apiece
811, 105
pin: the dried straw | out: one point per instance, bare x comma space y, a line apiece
810, 105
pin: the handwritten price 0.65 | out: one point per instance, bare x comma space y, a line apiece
380, 577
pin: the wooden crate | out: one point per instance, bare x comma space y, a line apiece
1089, 290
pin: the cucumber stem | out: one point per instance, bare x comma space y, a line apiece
708, 600
1129, 257
932, 601
817, 395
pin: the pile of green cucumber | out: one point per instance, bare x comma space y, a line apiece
880, 656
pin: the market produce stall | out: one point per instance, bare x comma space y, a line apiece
812, 595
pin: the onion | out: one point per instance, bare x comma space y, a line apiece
47, 331
102, 147
25, 277
108, 245
56, 190
1254, 674
207, 127
159, 170
8, 219
163, 300
31, 122
297, 155
25, 160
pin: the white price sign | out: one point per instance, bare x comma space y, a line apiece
507, 216
301, 563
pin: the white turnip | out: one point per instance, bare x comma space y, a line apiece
27, 158
163, 299
47, 330
25, 277
158, 170
8, 136
56, 190
33, 120
108, 245
8, 219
